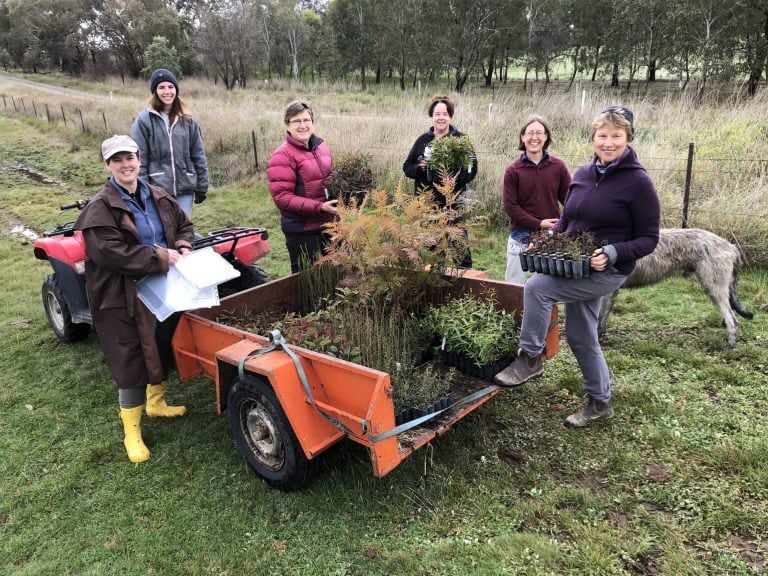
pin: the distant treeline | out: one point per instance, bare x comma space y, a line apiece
234, 41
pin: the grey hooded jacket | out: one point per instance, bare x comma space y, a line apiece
173, 159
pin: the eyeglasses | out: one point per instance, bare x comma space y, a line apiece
538, 133
298, 121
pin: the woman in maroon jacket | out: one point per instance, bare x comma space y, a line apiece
535, 186
299, 172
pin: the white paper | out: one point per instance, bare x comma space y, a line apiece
188, 285
205, 268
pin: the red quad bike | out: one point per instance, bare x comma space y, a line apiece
64, 296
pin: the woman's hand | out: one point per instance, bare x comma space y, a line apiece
599, 260
173, 257
548, 223
330, 207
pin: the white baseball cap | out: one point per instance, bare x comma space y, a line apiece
118, 143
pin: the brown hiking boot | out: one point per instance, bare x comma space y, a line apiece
595, 410
523, 368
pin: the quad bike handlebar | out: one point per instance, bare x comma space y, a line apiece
79, 204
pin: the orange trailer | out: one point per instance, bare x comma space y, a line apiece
287, 404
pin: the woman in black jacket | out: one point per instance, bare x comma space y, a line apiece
416, 165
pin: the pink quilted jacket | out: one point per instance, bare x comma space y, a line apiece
298, 177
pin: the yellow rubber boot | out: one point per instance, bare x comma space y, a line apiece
134, 445
156, 405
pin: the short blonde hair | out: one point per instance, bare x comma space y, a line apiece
616, 117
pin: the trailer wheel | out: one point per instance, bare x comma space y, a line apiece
57, 311
264, 435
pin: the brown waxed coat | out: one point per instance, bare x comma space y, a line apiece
114, 262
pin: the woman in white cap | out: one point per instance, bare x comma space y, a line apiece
171, 147
132, 229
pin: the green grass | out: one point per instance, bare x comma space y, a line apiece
677, 483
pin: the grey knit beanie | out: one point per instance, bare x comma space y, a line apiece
162, 75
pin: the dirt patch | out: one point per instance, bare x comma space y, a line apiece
656, 473
646, 563
752, 551
621, 519
510, 457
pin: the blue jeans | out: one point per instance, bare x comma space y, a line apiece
582, 298
185, 201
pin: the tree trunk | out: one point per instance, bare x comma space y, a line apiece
615, 74
491, 67
575, 61
760, 60
597, 63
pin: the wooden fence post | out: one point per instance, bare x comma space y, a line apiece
106, 130
47, 113
255, 153
34, 108
688, 178
24, 106
63, 116
14, 104
82, 122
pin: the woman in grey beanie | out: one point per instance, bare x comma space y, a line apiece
170, 144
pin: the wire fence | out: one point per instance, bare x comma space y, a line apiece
690, 180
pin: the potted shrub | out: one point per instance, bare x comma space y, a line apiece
559, 254
352, 178
450, 154
476, 338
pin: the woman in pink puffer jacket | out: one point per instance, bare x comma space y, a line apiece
299, 174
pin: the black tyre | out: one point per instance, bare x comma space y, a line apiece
57, 311
264, 435
250, 276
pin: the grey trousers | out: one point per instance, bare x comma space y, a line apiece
582, 298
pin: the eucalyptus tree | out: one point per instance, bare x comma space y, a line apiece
753, 22
505, 40
45, 33
535, 11
127, 27
586, 28
226, 43
711, 25
299, 26
395, 45
352, 22
460, 32
549, 36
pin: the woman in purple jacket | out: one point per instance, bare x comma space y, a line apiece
299, 171
614, 198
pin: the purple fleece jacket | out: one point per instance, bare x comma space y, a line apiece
620, 207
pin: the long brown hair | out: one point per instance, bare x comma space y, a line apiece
177, 107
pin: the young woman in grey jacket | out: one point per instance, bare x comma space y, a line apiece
170, 145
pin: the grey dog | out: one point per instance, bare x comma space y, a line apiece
715, 262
